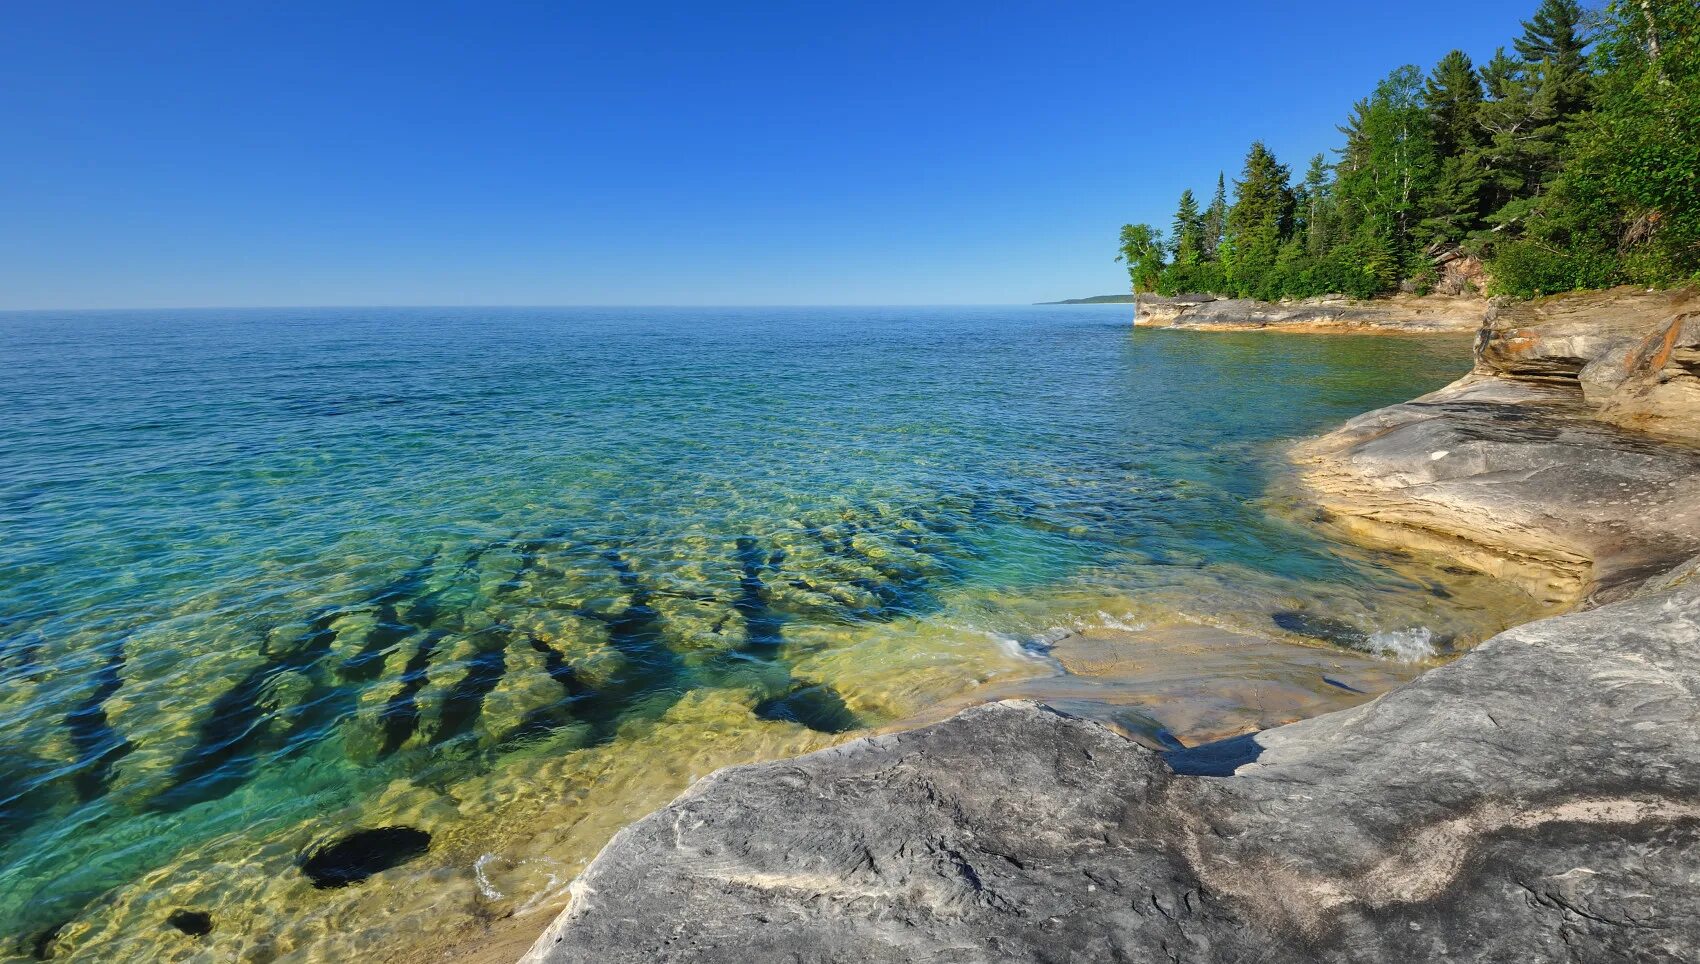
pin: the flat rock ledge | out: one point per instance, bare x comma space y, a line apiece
1566, 460
1536, 800
1400, 313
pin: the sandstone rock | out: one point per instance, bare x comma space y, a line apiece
1514, 478
1555, 338
1533, 801
1659, 387
1431, 313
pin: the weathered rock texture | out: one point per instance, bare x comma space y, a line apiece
1537, 800
1524, 468
1408, 313
1635, 355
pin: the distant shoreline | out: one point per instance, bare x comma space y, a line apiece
1098, 300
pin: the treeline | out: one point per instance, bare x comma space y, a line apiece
1572, 161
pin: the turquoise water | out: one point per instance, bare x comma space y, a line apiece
514, 576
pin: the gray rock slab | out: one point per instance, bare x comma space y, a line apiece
1536, 800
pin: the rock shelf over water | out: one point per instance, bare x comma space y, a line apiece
1534, 800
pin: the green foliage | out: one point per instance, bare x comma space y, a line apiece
1142, 252
1188, 230
1526, 269
1216, 219
1563, 167
1260, 219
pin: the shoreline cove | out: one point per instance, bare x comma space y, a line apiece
1530, 798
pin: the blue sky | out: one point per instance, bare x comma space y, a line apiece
296, 153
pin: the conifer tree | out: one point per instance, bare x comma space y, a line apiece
1453, 96
1315, 201
1260, 219
1216, 219
1188, 230
1552, 41
1519, 119
1387, 169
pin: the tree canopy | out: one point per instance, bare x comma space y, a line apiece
1569, 159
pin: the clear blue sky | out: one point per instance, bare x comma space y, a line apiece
242, 152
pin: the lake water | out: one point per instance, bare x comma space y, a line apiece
513, 577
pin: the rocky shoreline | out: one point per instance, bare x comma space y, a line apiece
1424, 314
1533, 800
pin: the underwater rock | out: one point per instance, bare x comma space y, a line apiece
1324, 628
818, 707
359, 855
195, 923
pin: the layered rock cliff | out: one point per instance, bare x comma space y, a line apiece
1410, 313
1528, 467
1535, 800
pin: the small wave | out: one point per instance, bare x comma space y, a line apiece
550, 884
484, 886
1406, 645
1113, 622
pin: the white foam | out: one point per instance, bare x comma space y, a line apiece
1406, 645
484, 886
1114, 622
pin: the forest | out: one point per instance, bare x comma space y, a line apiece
1569, 161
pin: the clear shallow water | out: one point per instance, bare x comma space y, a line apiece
515, 576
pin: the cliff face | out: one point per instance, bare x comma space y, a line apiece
1634, 355
1410, 313
1535, 800
1526, 468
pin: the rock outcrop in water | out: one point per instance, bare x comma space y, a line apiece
1409, 313
1523, 468
1534, 800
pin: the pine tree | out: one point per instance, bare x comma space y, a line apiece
1216, 219
1519, 152
1261, 218
1453, 97
1188, 230
1314, 208
1552, 40
1387, 170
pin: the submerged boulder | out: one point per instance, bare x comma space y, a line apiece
359, 855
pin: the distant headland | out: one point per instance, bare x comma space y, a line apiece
1099, 300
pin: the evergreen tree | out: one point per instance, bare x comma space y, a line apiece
1520, 149
1188, 231
1216, 219
1552, 40
1454, 206
1313, 207
1453, 95
1260, 219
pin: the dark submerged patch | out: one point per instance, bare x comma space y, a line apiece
359, 855
195, 923
819, 708
1219, 759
